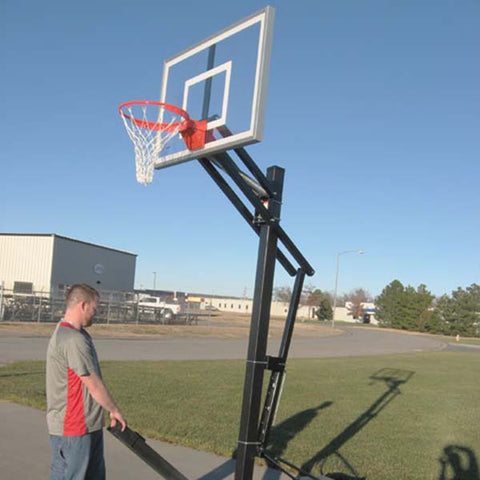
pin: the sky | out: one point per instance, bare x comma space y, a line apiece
373, 110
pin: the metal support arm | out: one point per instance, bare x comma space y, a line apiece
137, 444
277, 377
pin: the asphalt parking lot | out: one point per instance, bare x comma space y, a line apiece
352, 341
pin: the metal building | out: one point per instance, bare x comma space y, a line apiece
47, 262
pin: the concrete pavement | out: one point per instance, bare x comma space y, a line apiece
25, 453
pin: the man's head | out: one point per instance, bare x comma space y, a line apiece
82, 303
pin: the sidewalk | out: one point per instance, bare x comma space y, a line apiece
25, 453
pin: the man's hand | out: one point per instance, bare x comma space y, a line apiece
101, 395
117, 416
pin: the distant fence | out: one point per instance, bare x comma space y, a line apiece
114, 307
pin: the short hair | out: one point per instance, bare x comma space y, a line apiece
81, 292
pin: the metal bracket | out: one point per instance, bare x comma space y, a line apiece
275, 364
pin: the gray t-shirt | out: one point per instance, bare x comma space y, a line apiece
71, 410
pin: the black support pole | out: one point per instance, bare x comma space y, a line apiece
278, 364
208, 83
256, 358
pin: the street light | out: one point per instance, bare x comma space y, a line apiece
336, 280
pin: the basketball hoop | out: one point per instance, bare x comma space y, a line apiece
150, 137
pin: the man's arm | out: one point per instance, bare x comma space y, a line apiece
98, 390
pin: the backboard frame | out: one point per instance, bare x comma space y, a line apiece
265, 19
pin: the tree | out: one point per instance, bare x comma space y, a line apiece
355, 309
342, 299
311, 296
306, 296
388, 304
416, 305
282, 294
356, 299
459, 314
422, 310
359, 294
445, 313
404, 307
417, 309
468, 309
324, 311
315, 297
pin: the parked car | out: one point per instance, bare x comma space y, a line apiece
166, 311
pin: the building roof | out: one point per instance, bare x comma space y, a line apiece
64, 238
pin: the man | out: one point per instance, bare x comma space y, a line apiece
76, 394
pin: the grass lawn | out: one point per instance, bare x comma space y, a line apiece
385, 418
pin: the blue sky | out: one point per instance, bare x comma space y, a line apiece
373, 110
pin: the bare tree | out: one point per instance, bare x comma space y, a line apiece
282, 294
308, 297
356, 299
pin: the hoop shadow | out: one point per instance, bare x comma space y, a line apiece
285, 431
280, 437
458, 463
393, 379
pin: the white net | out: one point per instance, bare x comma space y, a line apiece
148, 139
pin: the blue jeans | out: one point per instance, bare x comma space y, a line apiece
78, 458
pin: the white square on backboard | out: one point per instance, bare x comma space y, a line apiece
227, 68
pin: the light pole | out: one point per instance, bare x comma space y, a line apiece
336, 280
154, 280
